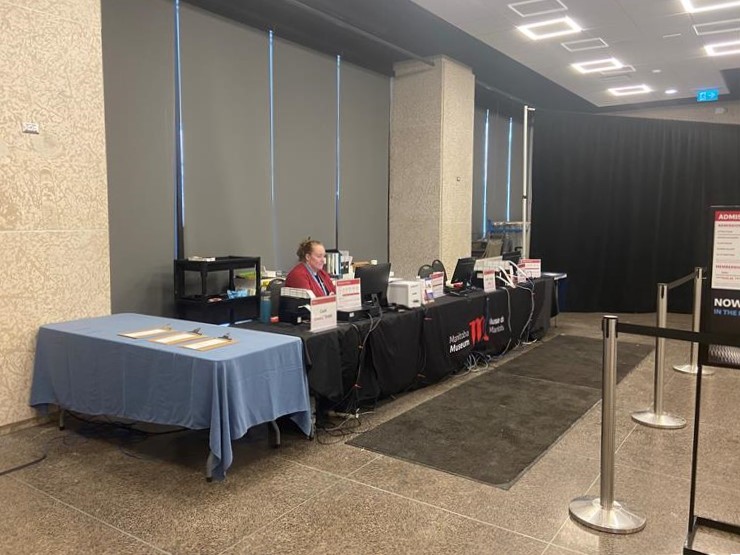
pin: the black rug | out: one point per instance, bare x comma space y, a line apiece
493, 427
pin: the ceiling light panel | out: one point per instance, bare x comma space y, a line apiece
614, 80
621, 71
723, 48
698, 6
724, 26
598, 65
537, 7
629, 91
584, 44
550, 28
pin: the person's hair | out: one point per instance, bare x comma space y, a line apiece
306, 247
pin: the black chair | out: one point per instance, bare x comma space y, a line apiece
425, 271
493, 248
274, 288
437, 266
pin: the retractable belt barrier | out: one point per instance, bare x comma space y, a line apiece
656, 417
604, 513
691, 368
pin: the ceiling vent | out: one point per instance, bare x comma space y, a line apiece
537, 7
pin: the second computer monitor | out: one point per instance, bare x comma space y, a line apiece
464, 271
374, 282
513, 256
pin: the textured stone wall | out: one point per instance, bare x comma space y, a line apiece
53, 193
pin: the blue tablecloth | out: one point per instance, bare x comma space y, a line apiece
85, 366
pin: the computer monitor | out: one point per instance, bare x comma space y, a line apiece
513, 256
464, 271
374, 282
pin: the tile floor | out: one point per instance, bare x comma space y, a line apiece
95, 494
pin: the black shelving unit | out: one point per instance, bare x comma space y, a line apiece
202, 300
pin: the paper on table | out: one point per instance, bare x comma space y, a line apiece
209, 343
177, 337
146, 333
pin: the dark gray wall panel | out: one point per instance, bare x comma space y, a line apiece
305, 146
138, 37
479, 162
517, 170
226, 129
498, 150
365, 120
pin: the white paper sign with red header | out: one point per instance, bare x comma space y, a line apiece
438, 283
323, 313
348, 294
489, 280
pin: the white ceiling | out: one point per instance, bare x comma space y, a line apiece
656, 37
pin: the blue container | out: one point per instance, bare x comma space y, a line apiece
265, 308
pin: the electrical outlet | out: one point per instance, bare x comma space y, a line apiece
31, 127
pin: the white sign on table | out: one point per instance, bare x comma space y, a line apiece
489, 280
438, 283
532, 267
348, 294
427, 295
323, 313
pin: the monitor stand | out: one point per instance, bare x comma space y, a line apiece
351, 315
372, 308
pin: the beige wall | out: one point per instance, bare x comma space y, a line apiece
710, 112
53, 194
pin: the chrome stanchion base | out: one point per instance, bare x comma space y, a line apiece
617, 520
662, 420
689, 369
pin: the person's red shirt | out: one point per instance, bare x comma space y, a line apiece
302, 278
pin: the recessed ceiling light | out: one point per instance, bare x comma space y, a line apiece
584, 44
671, 91
550, 28
672, 35
723, 26
657, 70
723, 48
633, 89
530, 8
697, 6
625, 69
598, 65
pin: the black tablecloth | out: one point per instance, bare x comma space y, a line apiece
414, 347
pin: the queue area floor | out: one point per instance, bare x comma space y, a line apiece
110, 490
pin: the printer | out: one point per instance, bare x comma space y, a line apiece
405, 292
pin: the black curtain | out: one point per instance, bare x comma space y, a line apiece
620, 204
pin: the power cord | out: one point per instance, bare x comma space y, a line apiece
351, 424
25, 465
37, 460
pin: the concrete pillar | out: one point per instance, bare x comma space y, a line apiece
431, 164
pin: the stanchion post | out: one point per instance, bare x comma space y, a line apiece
604, 513
656, 418
691, 367
608, 413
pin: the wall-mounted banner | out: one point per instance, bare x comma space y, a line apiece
721, 298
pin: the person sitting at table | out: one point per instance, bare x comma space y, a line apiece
309, 273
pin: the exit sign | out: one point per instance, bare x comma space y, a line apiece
707, 95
